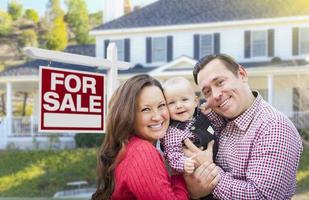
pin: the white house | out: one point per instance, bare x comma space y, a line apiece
270, 38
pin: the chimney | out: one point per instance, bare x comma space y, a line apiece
113, 9
127, 7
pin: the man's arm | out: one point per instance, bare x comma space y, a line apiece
272, 167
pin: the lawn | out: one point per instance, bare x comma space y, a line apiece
303, 173
42, 173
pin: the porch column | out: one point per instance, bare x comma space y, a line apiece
9, 108
270, 88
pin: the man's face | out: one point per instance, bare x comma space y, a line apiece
225, 92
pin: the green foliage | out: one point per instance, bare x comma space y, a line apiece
15, 10
95, 19
303, 172
77, 18
304, 133
42, 173
5, 23
29, 38
32, 14
53, 10
57, 38
89, 139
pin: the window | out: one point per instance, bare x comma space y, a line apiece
159, 49
120, 49
258, 43
304, 40
206, 45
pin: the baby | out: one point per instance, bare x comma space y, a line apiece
187, 121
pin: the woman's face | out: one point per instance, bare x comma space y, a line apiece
152, 117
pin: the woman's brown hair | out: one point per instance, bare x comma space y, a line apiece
120, 127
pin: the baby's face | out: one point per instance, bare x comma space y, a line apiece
181, 102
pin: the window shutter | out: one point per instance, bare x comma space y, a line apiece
148, 50
271, 33
106, 42
217, 43
169, 48
295, 41
247, 44
196, 42
127, 50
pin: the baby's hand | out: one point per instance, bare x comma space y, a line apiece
205, 109
189, 165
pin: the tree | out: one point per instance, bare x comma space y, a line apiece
95, 19
78, 20
33, 15
29, 38
57, 38
53, 10
15, 10
5, 23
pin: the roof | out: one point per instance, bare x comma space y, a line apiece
32, 67
181, 12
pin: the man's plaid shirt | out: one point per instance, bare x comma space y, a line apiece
258, 154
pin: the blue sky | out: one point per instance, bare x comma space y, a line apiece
39, 5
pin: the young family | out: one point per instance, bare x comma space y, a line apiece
233, 146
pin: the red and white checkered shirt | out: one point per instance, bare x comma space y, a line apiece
172, 143
258, 154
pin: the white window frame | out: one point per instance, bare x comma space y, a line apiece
120, 49
303, 51
253, 47
206, 51
161, 49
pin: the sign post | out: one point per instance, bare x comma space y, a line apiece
74, 101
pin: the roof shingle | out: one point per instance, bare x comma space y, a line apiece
180, 12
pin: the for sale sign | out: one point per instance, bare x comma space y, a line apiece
71, 101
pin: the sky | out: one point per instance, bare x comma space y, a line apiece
39, 5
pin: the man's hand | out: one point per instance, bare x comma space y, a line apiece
203, 180
197, 154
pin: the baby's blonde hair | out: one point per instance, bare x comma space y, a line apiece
175, 80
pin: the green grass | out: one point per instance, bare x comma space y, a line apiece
303, 172
42, 173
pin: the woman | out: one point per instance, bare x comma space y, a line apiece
129, 165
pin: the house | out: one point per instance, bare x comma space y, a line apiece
270, 38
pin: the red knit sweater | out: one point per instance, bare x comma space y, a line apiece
142, 175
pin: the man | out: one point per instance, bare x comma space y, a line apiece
259, 147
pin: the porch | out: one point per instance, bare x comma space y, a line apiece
24, 135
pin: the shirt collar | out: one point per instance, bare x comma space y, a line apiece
244, 120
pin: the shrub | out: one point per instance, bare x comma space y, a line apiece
5, 23
88, 140
304, 133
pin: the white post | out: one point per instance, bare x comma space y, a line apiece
112, 72
270, 88
8, 109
